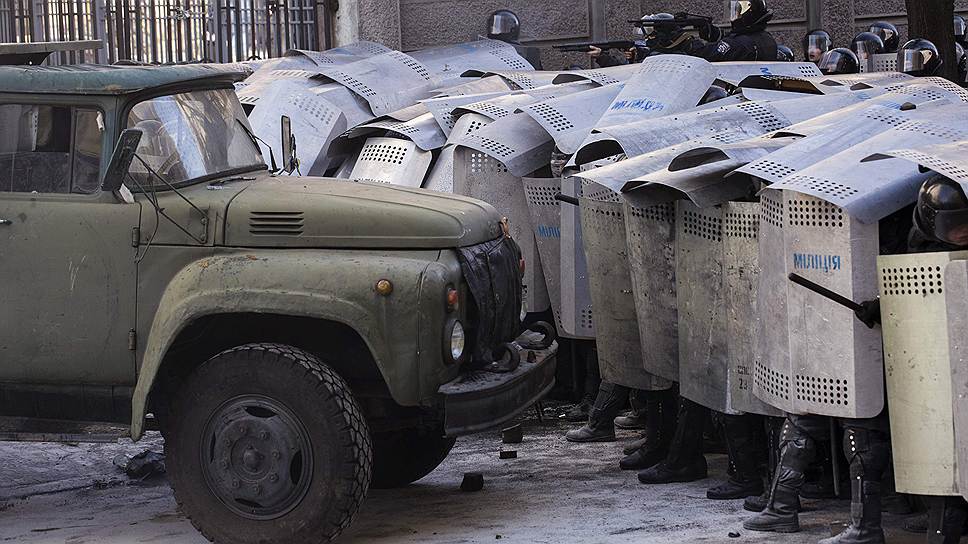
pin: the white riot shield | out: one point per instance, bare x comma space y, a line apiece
422, 130
480, 55
949, 160
443, 108
545, 215
652, 258
570, 118
577, 318
441, 177
343, 54
393, 161
919, 387
735, 72
517, 141
480, 176
601, 76
388, 82
814, 356
475, 86
708, 270
525, 79
616, 324
956, 293
881, 62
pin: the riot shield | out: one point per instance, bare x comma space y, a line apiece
881, 62
735, 72
570, 118
475, 86
343, 54
393, 161
956, 293
422, 130
516, 140
709, 269
652, 258
525, 79
949, 160
545, 216
616, 325
443, 108
441, 177
814, 356
919, 387
577, 318
480, 55
478, 175
388, 82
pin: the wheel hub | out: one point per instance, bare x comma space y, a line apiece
259, 459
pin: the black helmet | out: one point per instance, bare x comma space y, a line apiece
960, 29
919, 57
867, 44
784, 53
647, 31
815, 44
714, 93
504, 25
888, 33
748, 14
839, 61
962, 63
941, 213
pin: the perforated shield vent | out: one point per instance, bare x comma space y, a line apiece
660, 213
387, 153
741, 225
809, 71
763, 116
353, 83
665, 66
552, 117
814, 213
829, 188
481, 163
491, 110
512, 60
291, 74
938, 165
771, 208
885, 117
541, 195
934, 129
702, 226
920, 281
772, 382
313, 106
409, 62
585, 319
822, 390
772, 169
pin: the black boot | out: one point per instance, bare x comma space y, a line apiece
611, 398
578, 412
759, 502
685, 461
797, 451
746, 444
660, 416
869, 452
946, 519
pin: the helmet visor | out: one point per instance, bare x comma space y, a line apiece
835, 62
913, 60
885, 34
816, 46
959, 27
502, 24
736, 8
865, 50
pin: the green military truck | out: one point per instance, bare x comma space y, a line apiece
295, 339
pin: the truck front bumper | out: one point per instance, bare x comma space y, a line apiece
479, 400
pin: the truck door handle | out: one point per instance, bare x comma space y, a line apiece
6, 222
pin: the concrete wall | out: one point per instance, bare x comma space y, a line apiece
413, 24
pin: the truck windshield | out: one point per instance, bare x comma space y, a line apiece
190, 137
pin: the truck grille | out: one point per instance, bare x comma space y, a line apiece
276, 223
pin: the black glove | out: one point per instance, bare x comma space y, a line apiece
710, 33
869, 313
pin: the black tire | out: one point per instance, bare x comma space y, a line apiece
403, 457
241, 430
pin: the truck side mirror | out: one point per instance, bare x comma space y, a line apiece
121, 159
289, 161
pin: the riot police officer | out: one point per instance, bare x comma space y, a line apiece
888, 33
815, 44
747, 40
919, 57
660, 39
504, 25
865, 45
839, 61
784, 53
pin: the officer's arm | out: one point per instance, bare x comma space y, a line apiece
726, 49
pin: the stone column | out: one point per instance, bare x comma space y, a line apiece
837, 18
372, 20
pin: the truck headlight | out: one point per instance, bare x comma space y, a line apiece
454, 341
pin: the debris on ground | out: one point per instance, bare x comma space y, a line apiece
141, 466
509, 454
473, 481
512, 435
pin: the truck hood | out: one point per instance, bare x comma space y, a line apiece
334, 213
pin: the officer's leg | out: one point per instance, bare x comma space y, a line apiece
636, 418
611, 399
660, 425
798, 448
772, 427
867, 446
685, 461
946, 519
588, 357
746, 445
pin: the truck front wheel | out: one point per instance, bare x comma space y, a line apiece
403, 457
267, 445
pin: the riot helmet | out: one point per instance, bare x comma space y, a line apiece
941, 213
962, 63
648, 31
839, 61
714, 93
960, 29
504, 25
866, 45
888, 34
748, 14
919, 57
815, 44
784, 53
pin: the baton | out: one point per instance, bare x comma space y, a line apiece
824, 292
567, 199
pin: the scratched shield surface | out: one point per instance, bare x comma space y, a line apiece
545, 216
610, 279
835, 365
914, 318
652, 259
956, 293
577, 316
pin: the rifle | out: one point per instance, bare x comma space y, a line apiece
623, 45
680, 20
